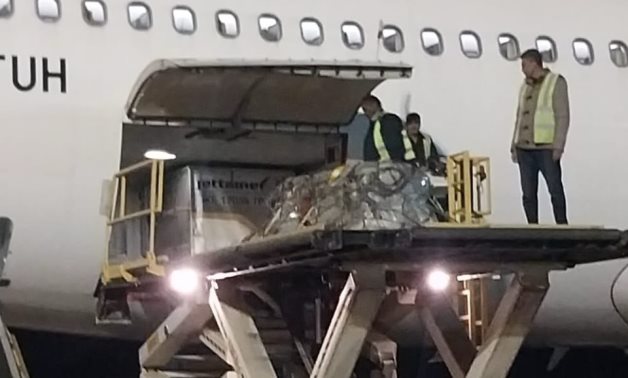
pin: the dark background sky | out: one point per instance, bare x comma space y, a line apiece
50, 355
61, 356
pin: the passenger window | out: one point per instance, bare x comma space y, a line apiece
184, 20
432, 42
140, 16
6, 8
352, 35
228, 24
470, 44
312, 31
619, 53
583, 51
547, 48
94, 12
392, 38
49, 10
508, 46
270, 28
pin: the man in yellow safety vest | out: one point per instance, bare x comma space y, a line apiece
540, 135
424, 148
386, 139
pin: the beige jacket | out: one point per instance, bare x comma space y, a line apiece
523, 137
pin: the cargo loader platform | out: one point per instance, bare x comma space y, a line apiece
372, 265
457, 244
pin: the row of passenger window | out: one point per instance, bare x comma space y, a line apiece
184, 21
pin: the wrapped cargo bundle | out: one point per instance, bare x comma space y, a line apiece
356, 196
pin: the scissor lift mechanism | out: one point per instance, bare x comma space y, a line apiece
529, 254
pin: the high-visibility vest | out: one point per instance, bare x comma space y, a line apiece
427, 145
544, 121
378, 138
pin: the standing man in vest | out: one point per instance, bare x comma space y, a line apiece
386, 138
540, 135
422, 144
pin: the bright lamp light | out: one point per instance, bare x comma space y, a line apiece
185, 280
159, 155
438, 280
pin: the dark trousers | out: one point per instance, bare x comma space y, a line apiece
530, 163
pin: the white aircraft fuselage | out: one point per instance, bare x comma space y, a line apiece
64, 85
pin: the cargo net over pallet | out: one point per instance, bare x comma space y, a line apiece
387, 195
355, 196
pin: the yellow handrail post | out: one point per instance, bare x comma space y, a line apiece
465, 203
119, 214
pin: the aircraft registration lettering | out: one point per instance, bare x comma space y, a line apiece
51, 75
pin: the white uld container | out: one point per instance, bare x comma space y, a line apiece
208, 208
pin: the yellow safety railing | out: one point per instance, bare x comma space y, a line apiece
466, 202
119, 214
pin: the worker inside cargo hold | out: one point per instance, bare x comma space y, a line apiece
385, 139
425, 150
